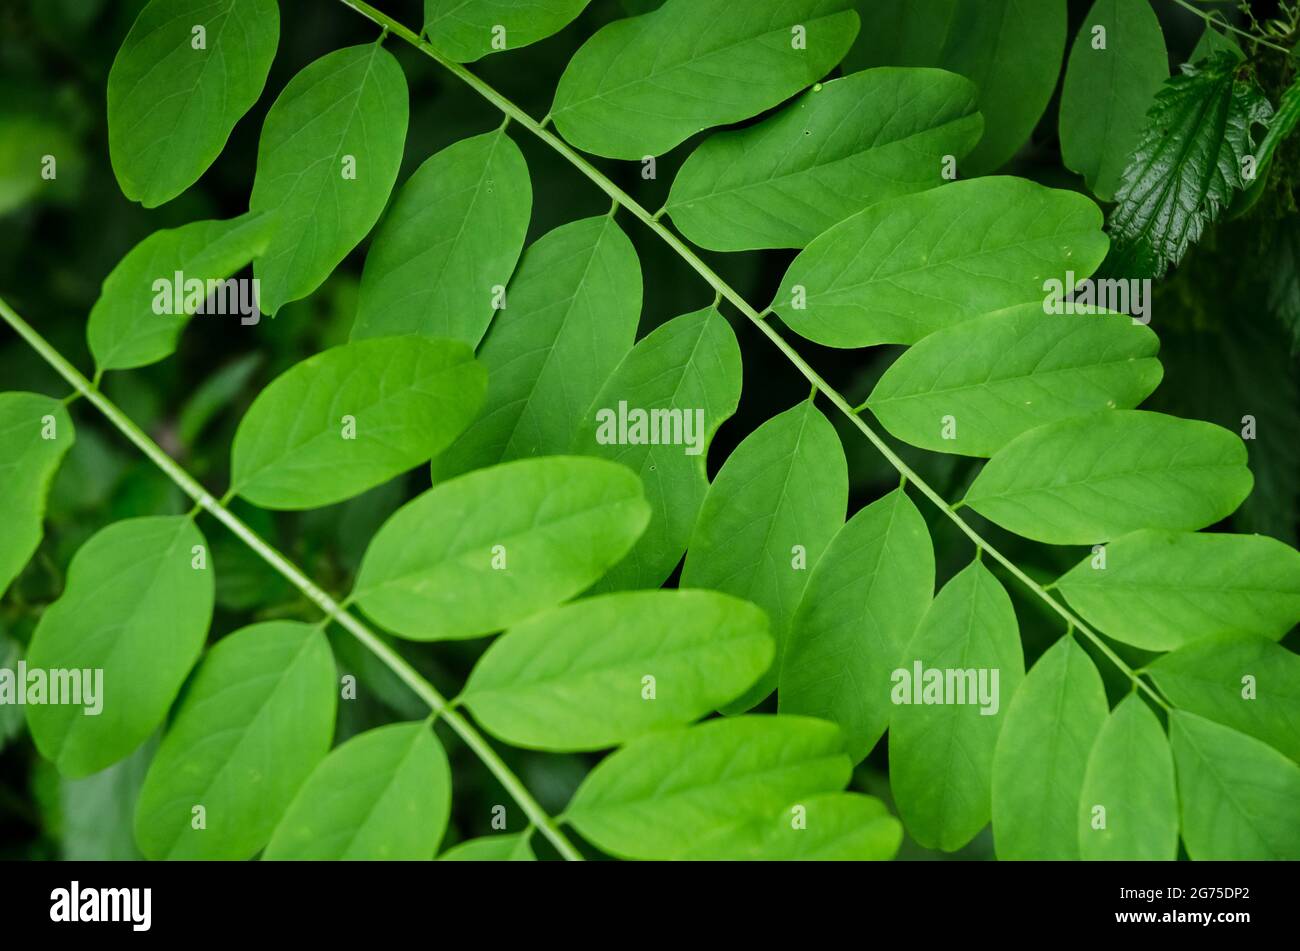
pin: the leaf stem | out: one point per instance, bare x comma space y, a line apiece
332, 609
721, 287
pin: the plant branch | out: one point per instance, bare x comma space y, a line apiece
512, 111
1210, 18
332, 609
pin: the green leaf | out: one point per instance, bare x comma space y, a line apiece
1130, 779
35, 434
775, 505
863, 601
605, 670
451, 238
481, 552
1159, 590
185, 74
326, 162
136, 608
902, 269
571, 316
941, 742
1042, 755
1110, 83
661, 795
352, 417
1002, 374
1093, 478
95, 812
144, 306
1238, 795
491, 848
840, 147
1247, 683
688, 365
1186, 166
383, 795
827, 827
466, 30
256, 719
1010, 49
634, 89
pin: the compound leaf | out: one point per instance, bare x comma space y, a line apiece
466, 30
35, 434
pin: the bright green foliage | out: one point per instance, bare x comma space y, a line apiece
35, 434
182, 78
1238, 795
1007, 372
137, 606
840, 147
326, 162
1093, 478
770, 513
1160, 590
1247, 683
749, 56
1042, 755
450, 240
607, 669
571, 316
661, 795
1128, 808
491, 848
826, 827
900, 269
137, 321
465, 30
481, 552
384, 794
691, 364
1116, 66
258, 716
863, 601
352, 417
942, 735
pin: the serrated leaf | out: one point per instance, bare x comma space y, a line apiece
1130, 777
941, 743
571, 316
1186, 166
575, 678
491, 848
912, 265
175, 93
1160, 590
453, 234
1238, 795
483, 551
352, 417
1004, 373
659, 796
633, 89
135, 608
688, 365
840, 147
1042, 755
342, 115
139, 315
383, 795
771, 511
256, 719
827, 827
466, 30
1093, 478
35, 434
861, 606
1110, 82
1247, 683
